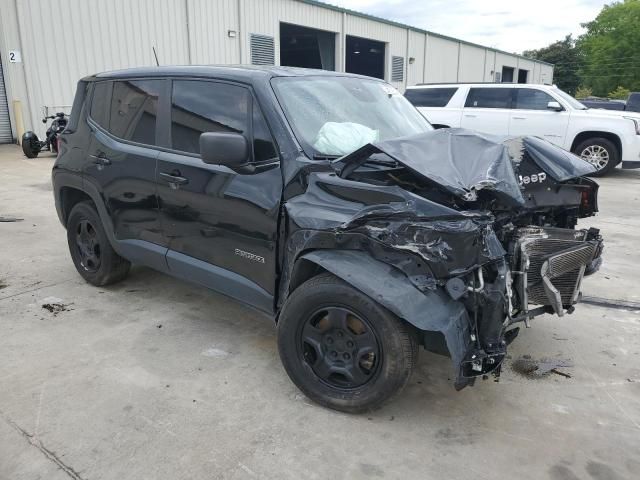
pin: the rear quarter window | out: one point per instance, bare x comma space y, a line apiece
100, 101
430, 97
489, 98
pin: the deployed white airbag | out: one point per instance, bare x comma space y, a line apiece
342, 138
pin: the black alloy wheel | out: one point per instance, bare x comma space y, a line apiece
92, 254
88, 245
339, 347
343, 349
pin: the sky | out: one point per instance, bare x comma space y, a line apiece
509, 25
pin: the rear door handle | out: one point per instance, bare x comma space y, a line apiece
469, 115
174, 178
519, 118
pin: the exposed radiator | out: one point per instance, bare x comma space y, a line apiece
552, 262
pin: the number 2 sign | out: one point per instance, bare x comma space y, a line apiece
15, 56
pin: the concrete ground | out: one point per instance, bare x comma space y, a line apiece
157, 379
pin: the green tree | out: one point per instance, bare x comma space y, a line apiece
619, 93
566, 58
583, 92
611, 48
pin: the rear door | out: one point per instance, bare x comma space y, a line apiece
436, 104
531, 116
220, 225
122, 155
487, 109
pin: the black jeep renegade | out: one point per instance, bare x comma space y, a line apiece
327, 201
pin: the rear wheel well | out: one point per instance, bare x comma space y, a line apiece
581, 137
69, 198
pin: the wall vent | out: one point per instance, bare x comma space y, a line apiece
397, 69
262, 50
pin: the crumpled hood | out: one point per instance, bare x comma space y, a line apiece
464, 162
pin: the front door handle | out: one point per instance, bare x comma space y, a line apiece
174, 178
468, 115
519, 118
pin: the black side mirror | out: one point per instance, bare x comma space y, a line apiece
222, 148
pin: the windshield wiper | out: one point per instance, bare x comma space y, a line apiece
322, 156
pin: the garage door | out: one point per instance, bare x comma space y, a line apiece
5, 126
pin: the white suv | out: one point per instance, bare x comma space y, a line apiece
604, 138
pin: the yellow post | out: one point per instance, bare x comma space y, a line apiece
17, 115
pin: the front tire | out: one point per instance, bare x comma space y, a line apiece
92, 254
599, 152
342, 349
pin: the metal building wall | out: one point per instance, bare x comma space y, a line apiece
64, 41
99, 35
417, 46
471, 63
442, 60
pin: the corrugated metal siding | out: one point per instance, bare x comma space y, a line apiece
490, 65
99, 35
471, 64
209, 25
95, 36
415, 70
5, 123
546, 73
442, 60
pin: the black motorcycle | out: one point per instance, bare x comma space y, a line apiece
32, 146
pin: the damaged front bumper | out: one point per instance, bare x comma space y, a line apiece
542, 274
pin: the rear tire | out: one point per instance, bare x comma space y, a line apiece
342, 349
92, 254
601, 153
30, 145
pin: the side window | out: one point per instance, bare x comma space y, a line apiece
430, 97
489, 98
99, 112
263, 146
134, 108
532, 99
201, 106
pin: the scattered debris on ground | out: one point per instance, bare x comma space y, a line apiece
531, 368
10, 219
55, 305
3, 284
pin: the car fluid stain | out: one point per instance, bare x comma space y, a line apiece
531, 368
3, 284
55, 305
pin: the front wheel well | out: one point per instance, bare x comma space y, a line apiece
303, 270
581, 137
69, 198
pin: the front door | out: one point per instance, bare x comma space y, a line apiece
220, 225
123, 155
531, 116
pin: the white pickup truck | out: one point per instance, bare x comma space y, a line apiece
604, 138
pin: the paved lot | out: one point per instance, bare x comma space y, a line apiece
157, 379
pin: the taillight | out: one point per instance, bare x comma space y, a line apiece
584, 202
58, 145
